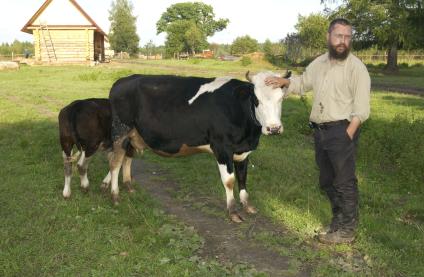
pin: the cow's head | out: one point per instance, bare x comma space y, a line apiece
268, 108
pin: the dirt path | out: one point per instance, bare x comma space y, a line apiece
224, 240
406, 90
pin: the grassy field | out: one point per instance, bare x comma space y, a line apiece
43, 235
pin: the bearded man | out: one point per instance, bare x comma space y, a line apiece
341, 103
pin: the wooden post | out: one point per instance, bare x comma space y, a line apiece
87, 49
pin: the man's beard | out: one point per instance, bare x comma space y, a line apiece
337, 55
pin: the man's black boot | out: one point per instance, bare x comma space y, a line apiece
337, 237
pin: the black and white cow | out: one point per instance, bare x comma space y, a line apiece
87, 125
177, 116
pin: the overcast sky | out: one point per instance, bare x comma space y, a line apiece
261, 19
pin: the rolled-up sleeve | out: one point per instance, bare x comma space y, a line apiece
302, 83
361, 94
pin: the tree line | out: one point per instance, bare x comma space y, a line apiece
385, 24
389, 25
17, 48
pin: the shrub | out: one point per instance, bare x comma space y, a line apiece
245, 61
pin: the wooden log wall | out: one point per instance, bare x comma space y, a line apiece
69, 45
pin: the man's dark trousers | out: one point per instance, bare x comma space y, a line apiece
335, 154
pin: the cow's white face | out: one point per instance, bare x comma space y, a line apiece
268, 112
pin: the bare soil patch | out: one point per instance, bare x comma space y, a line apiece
225, 241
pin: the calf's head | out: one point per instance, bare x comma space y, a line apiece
269, 100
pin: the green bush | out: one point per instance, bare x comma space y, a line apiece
245, 61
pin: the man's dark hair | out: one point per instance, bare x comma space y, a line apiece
340, 21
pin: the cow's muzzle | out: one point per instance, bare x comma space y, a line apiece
274, 130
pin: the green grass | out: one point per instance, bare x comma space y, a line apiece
41, 234
406, 77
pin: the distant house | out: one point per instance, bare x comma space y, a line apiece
59, 38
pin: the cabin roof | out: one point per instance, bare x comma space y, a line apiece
30, 24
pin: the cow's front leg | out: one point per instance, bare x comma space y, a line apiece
226, 170
115, 164
241, 175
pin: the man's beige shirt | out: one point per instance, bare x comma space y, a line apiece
341, 88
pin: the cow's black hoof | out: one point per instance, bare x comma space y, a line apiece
235, 217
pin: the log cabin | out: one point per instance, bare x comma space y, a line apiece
70, 38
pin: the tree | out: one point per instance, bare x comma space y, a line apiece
194, 38
389, 24
188, 25
123, 31
17, 47
244, 45
293, 45
149, 49
312, 30
175, 42
274, 52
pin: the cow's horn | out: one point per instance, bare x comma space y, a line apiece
248, 76
288, 74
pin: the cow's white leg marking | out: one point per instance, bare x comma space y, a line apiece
81, 159
67, 166
210, 87
82, 169
244, 197
106, 180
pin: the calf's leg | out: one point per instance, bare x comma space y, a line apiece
67, 166
82, 166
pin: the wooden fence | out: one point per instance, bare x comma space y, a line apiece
382, 58
12, 57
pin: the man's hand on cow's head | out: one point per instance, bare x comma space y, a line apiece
277, 82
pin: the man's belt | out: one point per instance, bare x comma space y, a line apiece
327, 125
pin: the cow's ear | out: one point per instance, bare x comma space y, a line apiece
244, 91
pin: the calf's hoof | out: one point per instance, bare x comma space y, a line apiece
84, 189
104, 187
235, 217
66, 194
